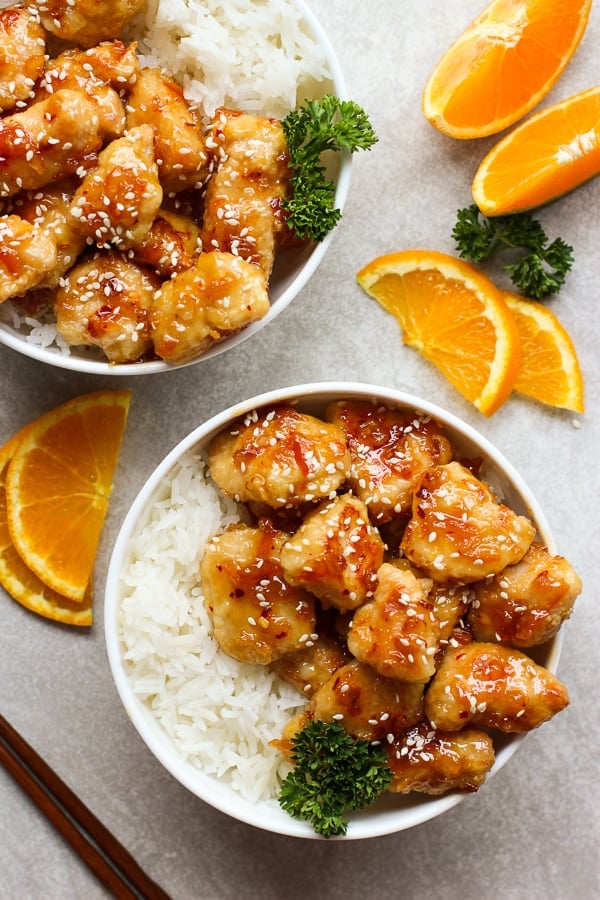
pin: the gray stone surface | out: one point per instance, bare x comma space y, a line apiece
531, 832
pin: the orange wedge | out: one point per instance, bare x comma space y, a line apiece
58, 484
503, 64
550, 370
551, 153
454, 316
18, 580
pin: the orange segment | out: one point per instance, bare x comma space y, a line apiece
551, 153
503, 64
550, 370
18, 580
58, 484
454, 316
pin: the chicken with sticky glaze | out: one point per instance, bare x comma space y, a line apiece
27, 255
171, 245
525, 604
51, 139
390, 450
48, 209
22, 56
367, 704
434, 762
105, 301
85, 22
217, 296
494, 686
100, 74
257, 616
281, 457
397, 632
243, 213
181, 154
335, 553
458, 532
117, 201
310, 668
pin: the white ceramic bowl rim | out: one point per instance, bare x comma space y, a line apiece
363, 824
52, 356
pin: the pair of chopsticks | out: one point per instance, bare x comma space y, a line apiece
98, 848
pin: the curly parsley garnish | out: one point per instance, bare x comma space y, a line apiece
542, 267
333, 772
317, 126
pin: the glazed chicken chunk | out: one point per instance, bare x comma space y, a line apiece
335, 553
433, 762
257, 616
280, 457
100, 74
171, 246
244, 194
494, 686
217, 296
450, 603
396, 632
181, 153
458, 532
22, 56
49, 209
308, 669
27, 255
368, 705
115, 63
51, 139
390, 450
117, 201
85, 22
525, 604
104, 301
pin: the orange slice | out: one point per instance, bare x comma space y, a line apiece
503, 64
18, 580
454, 316
551, 153
58, 484
550, 370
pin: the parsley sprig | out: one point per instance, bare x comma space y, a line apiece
310, 130
542, 267
333, 772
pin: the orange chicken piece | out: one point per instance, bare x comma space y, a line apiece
280, 457
243, 197
257, 617
335, 553
22, 56
390, 450
493, 686
458, 532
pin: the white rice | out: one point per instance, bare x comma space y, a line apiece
219, 714
256, 56
40, 330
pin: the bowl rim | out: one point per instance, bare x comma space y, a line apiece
207, 787
55, 358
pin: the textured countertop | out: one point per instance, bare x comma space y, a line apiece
532, 831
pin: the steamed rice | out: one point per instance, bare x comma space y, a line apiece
258, 56
218, 713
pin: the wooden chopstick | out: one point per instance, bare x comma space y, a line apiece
107, 858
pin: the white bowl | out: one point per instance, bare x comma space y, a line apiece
293, 267
391, 813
